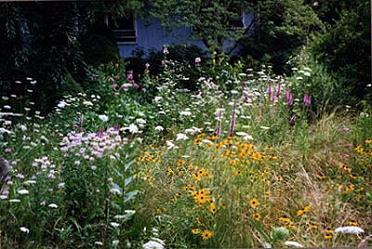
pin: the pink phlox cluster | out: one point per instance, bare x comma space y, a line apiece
92, 145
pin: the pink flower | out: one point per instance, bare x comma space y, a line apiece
307, 99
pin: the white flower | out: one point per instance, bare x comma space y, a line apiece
24, 229
185, 113
308, 74
52, 205
3, 130
244, 135
115, 191
181, 136
132, 128
29, 182
349, 230
23, 191
61, 104
141, 121
170, 145
197, 60
103, 118
157, 99
23, 127
154, 243
87, 103
293, 244
159, 128
98, 243
114, 224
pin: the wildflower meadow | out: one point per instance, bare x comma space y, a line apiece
243, 158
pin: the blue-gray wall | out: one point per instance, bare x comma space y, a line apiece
151, 35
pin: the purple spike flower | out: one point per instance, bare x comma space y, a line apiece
289, 98
232, 122
270, 91
307, 99
279, 89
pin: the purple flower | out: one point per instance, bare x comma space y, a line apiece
270, 91
165, 50
219, 116
279, 89
232, 122
130, 77
289, 98
307, 99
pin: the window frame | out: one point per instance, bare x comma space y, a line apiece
116, 31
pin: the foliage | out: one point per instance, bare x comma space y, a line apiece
282, 27
345, 49
209, 20
232, 163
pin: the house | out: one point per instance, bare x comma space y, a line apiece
132, 33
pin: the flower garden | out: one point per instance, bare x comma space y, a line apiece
238, 158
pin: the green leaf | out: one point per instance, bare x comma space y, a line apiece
130, 195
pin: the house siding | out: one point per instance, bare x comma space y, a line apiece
151, 35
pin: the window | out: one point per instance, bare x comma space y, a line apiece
236, 18
124, 28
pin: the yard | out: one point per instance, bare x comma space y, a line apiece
186, 147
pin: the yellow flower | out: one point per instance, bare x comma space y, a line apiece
254, 203
256, 156
328, 233
349, 188
201, 196
368, 141
300, 212
328, 236
195, 231
212, 208
197, 177
206, 234
285, 220
307, 209
256, 216
353, 222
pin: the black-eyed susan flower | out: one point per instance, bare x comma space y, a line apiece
285, 220
353, 222
197, 177
195, 231
254, 203
206, 234
201, 196
256, 216
328, 233
212, 208
307, 209
300, 212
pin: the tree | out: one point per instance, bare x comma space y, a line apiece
49, 41
283, 26
210, 20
